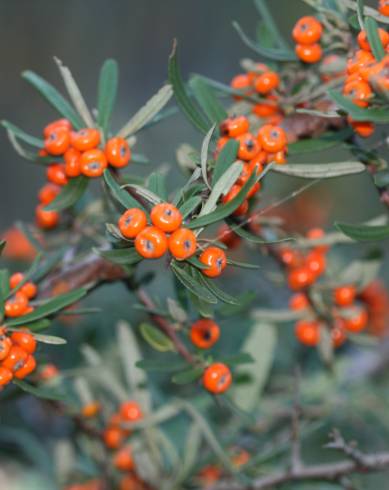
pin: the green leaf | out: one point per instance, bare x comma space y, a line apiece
270, 53
3, 243
120, 256
210, 284
237, 359
188, 376
190, 283
38, 325
50, 339
54, 98
204, 155
242, 265
364, 233
189, 205
225, 159
375, 43
69, 195
183, 99
324, 142
50, 261
379, 115
260, 344
268, 21
320, 170
227, 209
157, 339
148, 112
38, 392
49, 308
156, 183
360, 14
22, 135
160, 366
242, 232
121, 195
207, 100
381, 179
106, 92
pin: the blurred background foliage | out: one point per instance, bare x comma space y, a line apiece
82, 33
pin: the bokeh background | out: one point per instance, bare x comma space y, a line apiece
139, 34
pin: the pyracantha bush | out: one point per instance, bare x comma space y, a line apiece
223, 364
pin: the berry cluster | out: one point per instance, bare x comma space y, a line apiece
304, 269
376, 299
18, 304
270, 145
114, 436
82, 155
366, 77
264, 82
16, 355
348, 317
306, 34
383, 7
167, 234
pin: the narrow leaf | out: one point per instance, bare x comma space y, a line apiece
226, 158
379, 115
54, 98
69, 195
22, 135
187, 280
187, 376
157, 339
38, 392
204, 155
364, 233
374, 39
207, 100
320, 170
147, 112
120, 256
121, 195
106, 94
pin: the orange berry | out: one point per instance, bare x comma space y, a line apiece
234, 126
5, 376
151, 243
16, 358
240, 82
18, 247
298, 301
345, 295
383, 7
357, 322
359, 92
16, 306
309, 53
27, 368
267, 82
308, 332
204, 333
360, 60
85, 139
272, 138
49, 371
123, 460
217, 378
48, 193
90, 410
316, 262
132, 222
364, 129
290, 257
46, 219
266, 109
338, 335
364, 42
258, 162
130, 411
248, 146
5, 347
29, 289
228, 237
216, 260
118, 152
58, 141
317, 234
59, 123
241, 458
56, 174
300, 278
166, 217
25, 340
231, 194
182, 243
113, 437
279, 157
210, 474
15, 280
93, 163
307, 30
72, 159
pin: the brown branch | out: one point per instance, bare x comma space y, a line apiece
95, 270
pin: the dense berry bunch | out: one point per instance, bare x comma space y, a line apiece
83, 153
18, 304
